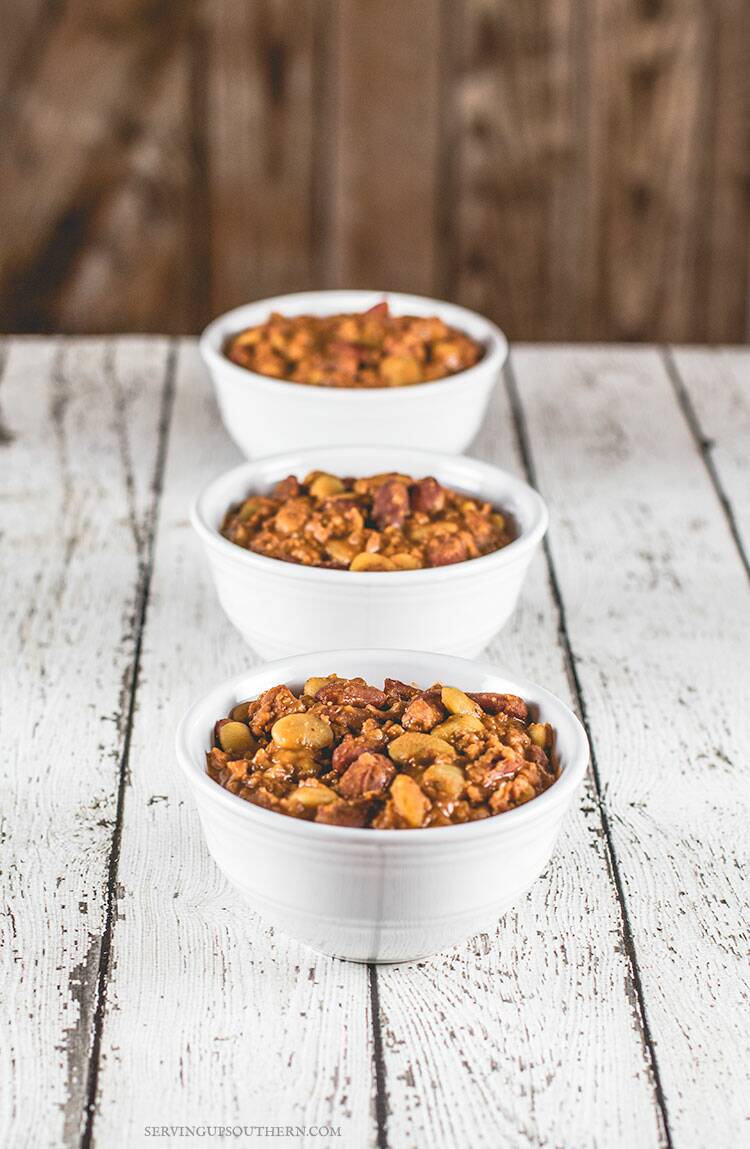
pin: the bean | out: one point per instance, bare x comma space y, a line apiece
301, 732
399, 370
522, 790
313, 796
405, 562
458, 724
413, 747
409, 802
444, 781
365, 561
340, 551
456, 702
313, 685
234, 737
326, 485
539, 733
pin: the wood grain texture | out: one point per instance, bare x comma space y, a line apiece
259, 147
138, 259
576, 169
211, 1017
20, 25
385, 182
532, 1034
653, 590
514, 163
721, 288
62, 138
78, 459
650, 67
716, 386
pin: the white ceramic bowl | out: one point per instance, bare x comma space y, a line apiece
265, 416
379, 895
283, 608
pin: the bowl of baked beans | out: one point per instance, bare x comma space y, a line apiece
380, 805
368, 546
329, 368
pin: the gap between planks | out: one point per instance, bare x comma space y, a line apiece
378, 1061
145, 547
639, 1004
703, 445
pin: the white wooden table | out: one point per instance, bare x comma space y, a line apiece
610, 1009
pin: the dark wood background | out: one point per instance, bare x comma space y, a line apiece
577, 169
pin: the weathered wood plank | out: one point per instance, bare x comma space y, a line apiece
136, 266
716, 386
78, 458
62, 135
576, 170
259, 146
210, 1016
649, 68
647, 570
495, 1043
721, 286
22, 26
598, 166
385, 184
514, 159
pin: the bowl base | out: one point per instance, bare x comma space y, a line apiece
374, 944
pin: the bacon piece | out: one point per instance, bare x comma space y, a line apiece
287, 488
400, 690
390, 507
368, 774
509, 704
423, 713
350, 749
347, 692
427, 495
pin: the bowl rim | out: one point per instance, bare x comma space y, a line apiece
433, 461
495, 340
560, 792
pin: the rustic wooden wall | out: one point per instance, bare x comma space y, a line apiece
578, 169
